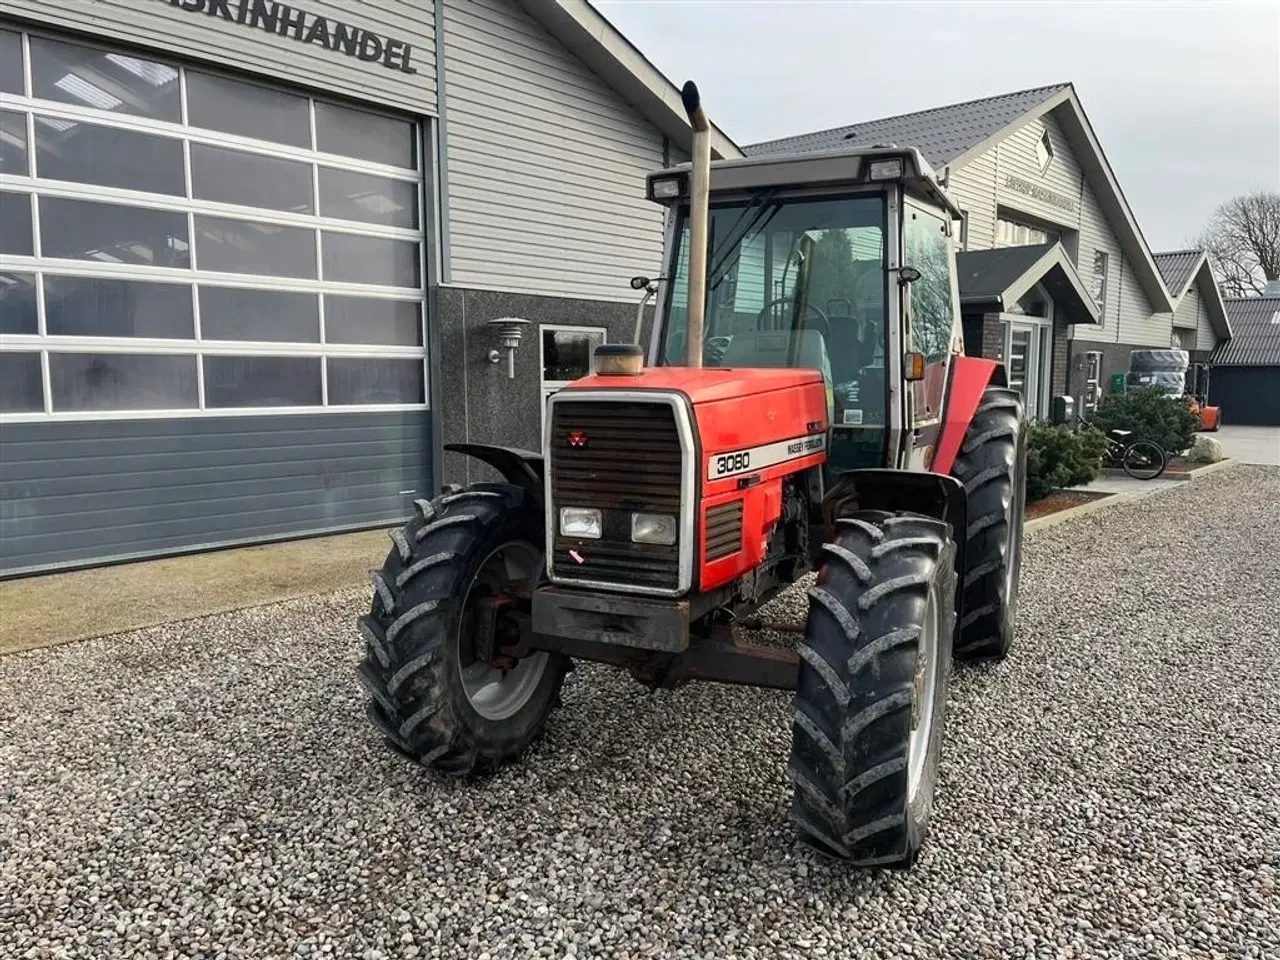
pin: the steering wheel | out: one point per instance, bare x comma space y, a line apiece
809, 308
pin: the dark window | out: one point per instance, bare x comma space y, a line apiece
931, 307
15, 224
352, 259
365, 136
18, 310
1098, 287
21, 385
91, 307
361, 380
261, 381
88, 77
13, 142
112, 233
366, 320
110, 157
247, 110
358, 196
10, 62
117, 381
241, 246
228, 313
249, 179
566, 354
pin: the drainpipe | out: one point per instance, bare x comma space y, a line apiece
699, 202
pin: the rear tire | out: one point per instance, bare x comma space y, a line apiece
431, 703
1143, 460
872, 688
992, 465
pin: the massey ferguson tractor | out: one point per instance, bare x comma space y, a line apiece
804, 407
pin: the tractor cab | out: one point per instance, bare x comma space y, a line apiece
840, 262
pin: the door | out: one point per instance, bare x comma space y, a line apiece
1023, 347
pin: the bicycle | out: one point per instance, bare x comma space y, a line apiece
1140, 459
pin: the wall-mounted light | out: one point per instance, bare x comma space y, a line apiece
509, 331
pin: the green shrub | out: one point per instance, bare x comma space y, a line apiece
1150, 415
1059, 457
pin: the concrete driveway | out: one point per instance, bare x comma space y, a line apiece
1251, 444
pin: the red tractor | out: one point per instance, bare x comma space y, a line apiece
805, 406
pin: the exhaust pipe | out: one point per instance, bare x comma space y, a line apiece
699, 202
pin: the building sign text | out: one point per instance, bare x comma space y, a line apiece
1037, 192
284, 20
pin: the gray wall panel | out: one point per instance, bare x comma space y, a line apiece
186, 30
72, 493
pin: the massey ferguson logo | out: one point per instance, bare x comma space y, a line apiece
577, 439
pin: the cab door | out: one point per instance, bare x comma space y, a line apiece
932, 321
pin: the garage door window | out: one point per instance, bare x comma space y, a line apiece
176, 241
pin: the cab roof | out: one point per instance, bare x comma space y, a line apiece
844, 166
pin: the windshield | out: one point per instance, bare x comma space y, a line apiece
795, 283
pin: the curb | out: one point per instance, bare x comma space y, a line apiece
1071, 513
1181, 476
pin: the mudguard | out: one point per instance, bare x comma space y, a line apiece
969, 377
524, 468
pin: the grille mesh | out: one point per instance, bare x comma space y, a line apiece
628, 460
724, 530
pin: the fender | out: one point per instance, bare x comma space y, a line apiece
936, 495
524, 468
967, 379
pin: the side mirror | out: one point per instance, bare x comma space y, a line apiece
908, 274
639, 283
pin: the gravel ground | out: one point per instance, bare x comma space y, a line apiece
1113, 789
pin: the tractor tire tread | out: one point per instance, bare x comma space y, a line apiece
854, 695
991, 465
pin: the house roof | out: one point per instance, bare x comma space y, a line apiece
953, 135
1255, 339
1180, 269
998, 279
586, 33
942, 133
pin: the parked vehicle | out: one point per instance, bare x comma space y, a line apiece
765, 437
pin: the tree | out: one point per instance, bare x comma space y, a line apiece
1243, 241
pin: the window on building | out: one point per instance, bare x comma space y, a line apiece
178, 240
567, 353
1098, 288
1044, 151
1019, 233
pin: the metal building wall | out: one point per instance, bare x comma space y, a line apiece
96, 491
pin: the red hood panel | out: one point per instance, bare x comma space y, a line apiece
706, 384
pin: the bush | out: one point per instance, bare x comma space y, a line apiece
1150, 414
1059, 457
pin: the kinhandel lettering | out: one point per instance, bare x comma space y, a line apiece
284, 20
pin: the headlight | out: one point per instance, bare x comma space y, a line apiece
653, 528
580, 522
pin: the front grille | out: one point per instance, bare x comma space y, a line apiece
626, 459
724, 530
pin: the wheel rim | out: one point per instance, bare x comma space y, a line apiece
926, 687
493, 692
1142, 460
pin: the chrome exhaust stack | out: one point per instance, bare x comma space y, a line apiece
699, 203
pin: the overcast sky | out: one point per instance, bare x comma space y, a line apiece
1184, 97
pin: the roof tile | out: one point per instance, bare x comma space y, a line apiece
942, 133
1177, 268
1255, 333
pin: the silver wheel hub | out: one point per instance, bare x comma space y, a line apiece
498, 690
925, 691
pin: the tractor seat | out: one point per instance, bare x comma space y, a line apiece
772, 349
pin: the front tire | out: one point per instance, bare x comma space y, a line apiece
428, 698
872, 688
1143, 460
992, 465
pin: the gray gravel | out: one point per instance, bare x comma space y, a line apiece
212, 788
